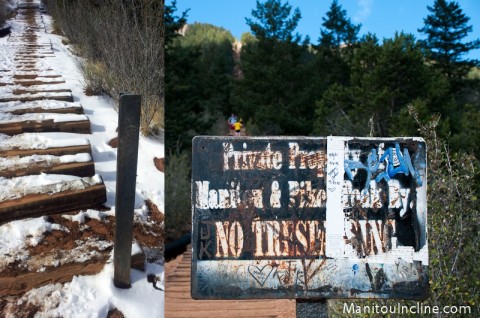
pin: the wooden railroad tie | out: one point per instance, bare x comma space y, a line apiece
60, 197
28, 124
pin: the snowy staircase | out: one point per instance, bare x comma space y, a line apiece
44, 167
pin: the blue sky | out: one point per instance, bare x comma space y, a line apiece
382, 17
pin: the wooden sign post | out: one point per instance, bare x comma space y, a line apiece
309, 218
127, 155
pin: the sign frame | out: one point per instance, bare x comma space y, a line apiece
265, 220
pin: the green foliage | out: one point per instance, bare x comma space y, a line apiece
454, 222
453, 227
282, 85
468, 136
200, 34
339, 30
274, 91
173, 23
446, 28
272, 21
247, 38
384, 79
333, 54
199, 67
177, 201
474, 73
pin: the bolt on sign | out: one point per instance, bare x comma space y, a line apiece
300, 217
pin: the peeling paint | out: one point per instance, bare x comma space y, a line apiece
298, 217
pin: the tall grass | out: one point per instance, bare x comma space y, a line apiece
122, 46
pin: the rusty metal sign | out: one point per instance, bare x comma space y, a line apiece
285, 217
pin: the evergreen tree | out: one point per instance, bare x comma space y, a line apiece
384, 80
338, 29
179, 75
335, 49
199, 67
215, 66
273, 91
172, 22
272, 20
446, 28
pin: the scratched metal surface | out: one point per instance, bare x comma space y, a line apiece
299, 217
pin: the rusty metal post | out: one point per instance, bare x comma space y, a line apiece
127, 156
311, 308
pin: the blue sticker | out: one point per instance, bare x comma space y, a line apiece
355, 268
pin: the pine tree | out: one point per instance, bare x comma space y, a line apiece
384, 80
446, 28
273, 21
272, 96
179, 76
338, 29
172, 22
335, 49
199, 67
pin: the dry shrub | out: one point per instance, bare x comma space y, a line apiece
96, 78
126, 37
454, 222
453, 227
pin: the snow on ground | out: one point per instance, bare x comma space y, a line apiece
93, 296
46, 105
41, 141
84, 296
14, 188
16, 235
57, 118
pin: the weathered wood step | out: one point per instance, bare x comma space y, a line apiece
35, 51
29, 57
31, 68
36, 45
43, 122
178, 301
80, 165
34, 75
36, 89
25, 61
14, 285
43, 81
34, 196
44, 106
57, 144
66, 97
34, 70
47, 90
228, 309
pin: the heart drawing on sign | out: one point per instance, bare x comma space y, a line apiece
260, 273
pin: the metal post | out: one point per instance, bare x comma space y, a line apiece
127, 155
311, 308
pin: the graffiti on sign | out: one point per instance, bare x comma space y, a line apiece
309, 218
